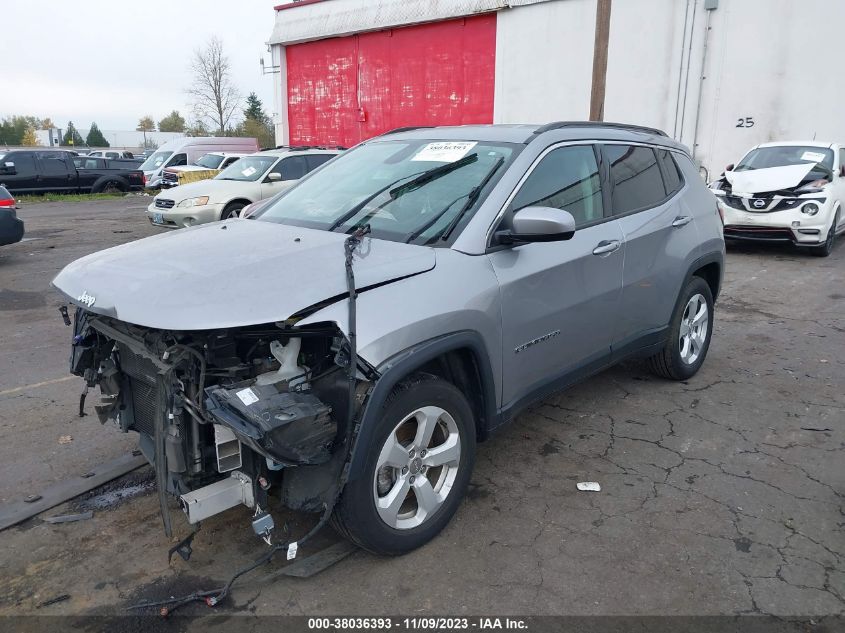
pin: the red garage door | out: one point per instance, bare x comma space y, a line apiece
347, 89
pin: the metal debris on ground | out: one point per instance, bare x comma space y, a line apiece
61, 598
591, 486
70, 518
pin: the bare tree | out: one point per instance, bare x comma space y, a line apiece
215, 97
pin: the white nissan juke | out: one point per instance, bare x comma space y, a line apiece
791, 191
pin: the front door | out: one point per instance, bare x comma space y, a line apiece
290, 169
559, 299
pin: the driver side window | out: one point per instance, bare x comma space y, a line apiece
177, 160
566, 178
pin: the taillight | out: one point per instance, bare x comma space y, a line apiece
143, 179
7, 203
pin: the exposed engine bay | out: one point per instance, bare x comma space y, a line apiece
226, 416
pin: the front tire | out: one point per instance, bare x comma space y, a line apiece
232, 210
416, 471
689, 334
827, 248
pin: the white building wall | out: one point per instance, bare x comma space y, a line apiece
544, 62
773, 62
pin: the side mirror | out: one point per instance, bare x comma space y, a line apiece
538, 224
8, 168
274, 176
729, 167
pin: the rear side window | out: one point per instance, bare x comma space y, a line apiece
671, 174
53, 164
635, 178
315, 160
566, 178
292, 168
178, 160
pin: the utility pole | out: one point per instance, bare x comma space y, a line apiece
600, 60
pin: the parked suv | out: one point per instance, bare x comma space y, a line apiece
347, 346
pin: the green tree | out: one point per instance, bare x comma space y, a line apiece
72, 136
46, 124
262, 132
29, 138
173, 122
255, 109
13, 128
95, 138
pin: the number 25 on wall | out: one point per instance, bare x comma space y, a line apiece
746, 122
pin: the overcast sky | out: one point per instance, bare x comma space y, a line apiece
112, 61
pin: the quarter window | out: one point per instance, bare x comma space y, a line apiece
671, 174
566, 178
635, 178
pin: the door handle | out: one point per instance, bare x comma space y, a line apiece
605, 247
681, 220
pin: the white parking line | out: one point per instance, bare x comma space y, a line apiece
36, 385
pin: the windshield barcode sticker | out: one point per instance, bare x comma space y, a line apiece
247, 396
444, 151
249, 171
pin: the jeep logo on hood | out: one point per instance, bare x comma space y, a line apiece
86, 299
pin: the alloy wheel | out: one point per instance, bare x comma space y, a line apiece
694, 325
417, 467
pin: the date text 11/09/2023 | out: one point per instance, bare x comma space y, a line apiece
414, 624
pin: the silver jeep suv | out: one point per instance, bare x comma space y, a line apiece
344, 349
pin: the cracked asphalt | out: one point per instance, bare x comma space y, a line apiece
720, 495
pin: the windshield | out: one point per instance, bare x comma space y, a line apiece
782, 155
407, 191
248, 168
210, 161
155, 161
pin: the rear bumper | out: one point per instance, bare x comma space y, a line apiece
11, 229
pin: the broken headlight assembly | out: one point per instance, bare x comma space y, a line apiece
811, 208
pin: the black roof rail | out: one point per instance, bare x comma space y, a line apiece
299, 148
406, 129
617, 126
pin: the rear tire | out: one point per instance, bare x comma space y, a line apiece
690, 332
110, 186
416, 470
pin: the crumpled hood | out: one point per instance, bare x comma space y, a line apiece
229, 274
770, 179
200, 188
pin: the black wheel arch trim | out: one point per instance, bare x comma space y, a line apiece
399, 366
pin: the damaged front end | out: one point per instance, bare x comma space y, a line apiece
228, 417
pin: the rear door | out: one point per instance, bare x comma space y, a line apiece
57, 171
659, 236
559, 300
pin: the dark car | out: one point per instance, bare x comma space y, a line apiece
46, 171
11, 226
